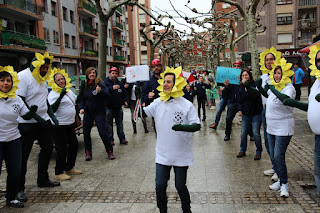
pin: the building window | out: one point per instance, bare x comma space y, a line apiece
55, 37
142, 15
226, 6
66, 40
285, 18
284, 1
46, 33
111, 51
227, 55
53, 8
74, 42
107, 50
65, 13
44, 5
71, 16
144, 52
285, 38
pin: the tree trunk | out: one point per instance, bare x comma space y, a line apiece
151, 53
103, 26
251, 22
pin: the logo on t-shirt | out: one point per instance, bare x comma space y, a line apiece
178, 118
120, 90
16, 108
203, 87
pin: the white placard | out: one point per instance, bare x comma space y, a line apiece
137, 73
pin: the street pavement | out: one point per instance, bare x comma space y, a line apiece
218, 181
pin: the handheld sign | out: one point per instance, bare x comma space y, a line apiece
137, 73
232, 74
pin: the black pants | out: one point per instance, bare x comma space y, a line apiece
202, 104
298, 91
66, 145
31, 132
132, 105
231, 113
11, 152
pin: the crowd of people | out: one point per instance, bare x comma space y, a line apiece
34, 113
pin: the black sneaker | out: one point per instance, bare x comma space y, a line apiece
21, 196
226, 138
49, 183
14, 203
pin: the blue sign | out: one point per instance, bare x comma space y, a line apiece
232, 74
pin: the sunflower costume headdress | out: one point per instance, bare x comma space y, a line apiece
315, 70
262, 63
36, 63
15, 81
54, 85
177, 89
286, 74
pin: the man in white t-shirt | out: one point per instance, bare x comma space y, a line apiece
175, 120
33, 90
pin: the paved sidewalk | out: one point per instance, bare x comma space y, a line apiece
218, 182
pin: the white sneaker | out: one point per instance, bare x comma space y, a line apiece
268, 172
275, 186
274, 177
212, 107
284, 190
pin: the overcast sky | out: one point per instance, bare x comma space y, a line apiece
201, 5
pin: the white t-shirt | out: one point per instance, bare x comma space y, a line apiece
66, 111
34, 93
174, 148
133, 95
9, 113
313, 108
265, 80
279, 117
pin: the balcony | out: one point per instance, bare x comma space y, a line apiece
24, 9
119, 58
89, 53
88, 31
305, 42
280, 2
119, 11
87, 10
17, 40
118, 42
117, 26
307, 3
307, 23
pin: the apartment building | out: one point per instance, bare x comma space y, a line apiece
291, 25
139, 49
67, 29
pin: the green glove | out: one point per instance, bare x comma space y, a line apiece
252, 91
279, 95
56, 104
31, 112
296, 104
318, 97
186, 128
261, 90
52, 116
80, 95
40, 120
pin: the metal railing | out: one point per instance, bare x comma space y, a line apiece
119, 9
90, 53
305, 42
119, 41
89, 29
15, 38
26, 5
119, 25
85, 5
303, 23
307, 3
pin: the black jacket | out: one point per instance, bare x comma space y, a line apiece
189, 95
115, 98
249, 103
231, 93
150, 85
94, 104
201, 90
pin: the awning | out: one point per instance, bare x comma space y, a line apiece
306, 49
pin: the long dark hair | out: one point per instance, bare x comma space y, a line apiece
249, 73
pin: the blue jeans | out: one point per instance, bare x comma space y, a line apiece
162, 177
247, 120
264, 123
316, 158
278, 146
102, 129
11, 152
117, 114
221, 107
